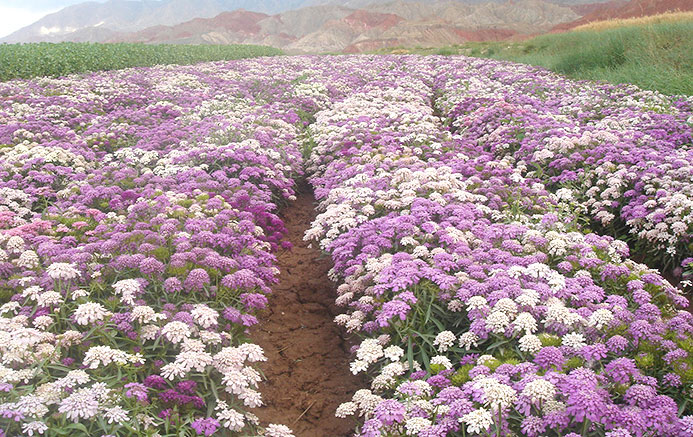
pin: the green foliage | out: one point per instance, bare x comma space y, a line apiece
48, 59
549, 340
657, 57
461, 375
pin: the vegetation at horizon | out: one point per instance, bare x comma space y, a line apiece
60, 59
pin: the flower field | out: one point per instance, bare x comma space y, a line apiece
478, 215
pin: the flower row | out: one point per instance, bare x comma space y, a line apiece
137, 229
484, 305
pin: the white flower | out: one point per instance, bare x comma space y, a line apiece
346, 409
478, 421
32, 405
176, 331
32, 292
358, 366
192, 345
444, 340
507, 306
194, 360
116, 414
252, 352
497, 321
229, 418
42, 322
415, 425
274, 430
127, 289
393, 353
539, 390
393, 369
15, 244
10, 306
469, 340
366, 400
90, 312
62, 271
528, 297
34, 427
455, 305
476, 302
204, 316
600, 318
77, 294
174, 370
525, 322
441, 361
106, 355
530, 343
49, 298
74, 378
370, 351
483, 359
149, 332
574, 340
552, 406
210, 337
81, 404
251, 398
28, 260
145, 314
496, 394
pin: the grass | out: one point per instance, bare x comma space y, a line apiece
653, 54
667, 17
46, 59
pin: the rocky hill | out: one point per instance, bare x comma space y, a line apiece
336, 28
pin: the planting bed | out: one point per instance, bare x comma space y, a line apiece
474, 235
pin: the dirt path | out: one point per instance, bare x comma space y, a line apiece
308, 358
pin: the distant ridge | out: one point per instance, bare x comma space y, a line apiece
336, 28
98, 22
314, 26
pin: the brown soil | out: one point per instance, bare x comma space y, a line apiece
307, 370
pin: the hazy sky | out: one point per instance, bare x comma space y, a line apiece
15, 14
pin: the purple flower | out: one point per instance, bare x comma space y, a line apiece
172, 285
196, 280
621, 370
206, 426
137, 390
549, 356
155, 381
390, 411
187, 387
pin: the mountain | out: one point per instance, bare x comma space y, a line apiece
69, 23
337, 28
93, 21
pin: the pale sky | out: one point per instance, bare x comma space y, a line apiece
15, 14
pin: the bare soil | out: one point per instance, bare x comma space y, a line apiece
307, 372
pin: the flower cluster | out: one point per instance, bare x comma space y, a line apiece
485, 304
622, 152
